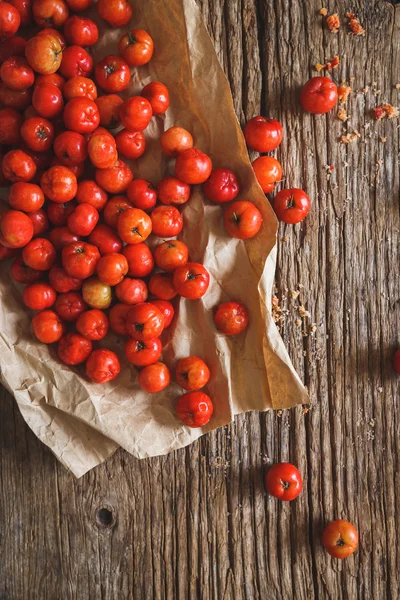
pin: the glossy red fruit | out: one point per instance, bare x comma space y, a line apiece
39, 254
81, 115
18, 166
79, 259
93, 324
59, 184
38, 134
142, 354
116, 12
161, 286
10, 126
231, 318
74, 349
38, 296
191, 280
79, 5
141, 194
144, 322
170, 255
19, 100
291, 205
112, 74
52, 79
62, 236
50, 13
24, 7
166, 309
47, 326
47, 100
62, 282
242, 220
90, 193
193, 166
130, 144
136, 113
10, 20
21, 273
106, 240
27, 197
174, 140
40, 222
166, 221
319, 95
77, 169
173, 191
112, 268
284, 481
131, 291
118, 315
83, 219
69, 306
109, 107
140, 260
102, 150
263, 134
340, 538
58, 213
102, 366
136, 47
154, 378
268, 171
116, 179
194, 409
76, 61
16, 229
134, 226
16, 73
80, 86
192, 373
71, 148
81, 31
114, 208
158, 96
222, 186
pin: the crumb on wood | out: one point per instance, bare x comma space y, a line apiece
397, 86
349, 137
383, 140
386, 111
333, 23
331, 64
343, 93
285, 239
294, 294
305, 410
298, 322
323, 12
303, 312
342, 115
354, 24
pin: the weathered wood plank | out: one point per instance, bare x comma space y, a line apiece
197, 523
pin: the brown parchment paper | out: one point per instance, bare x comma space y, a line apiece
83, 423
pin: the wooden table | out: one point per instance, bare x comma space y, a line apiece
197, 523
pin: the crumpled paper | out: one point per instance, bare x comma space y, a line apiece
84, 423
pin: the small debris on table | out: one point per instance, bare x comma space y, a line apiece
386, 111
333, 23
354, 24
331, 64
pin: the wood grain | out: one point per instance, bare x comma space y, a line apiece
197, 523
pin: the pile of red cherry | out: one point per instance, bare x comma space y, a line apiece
77, 221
